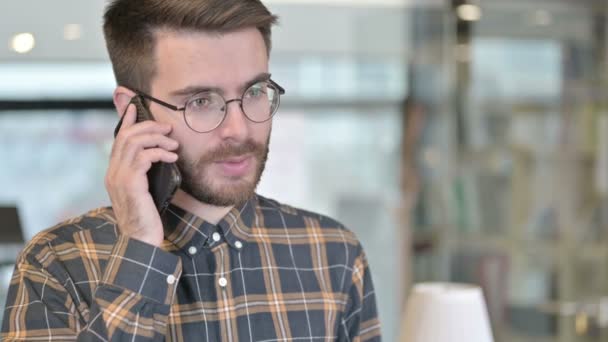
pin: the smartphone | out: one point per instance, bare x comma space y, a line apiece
163, 178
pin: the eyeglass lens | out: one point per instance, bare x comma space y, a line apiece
206, 111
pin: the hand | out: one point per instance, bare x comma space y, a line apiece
135, 148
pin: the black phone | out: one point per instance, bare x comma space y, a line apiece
163, 178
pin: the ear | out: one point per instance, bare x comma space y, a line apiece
121, 97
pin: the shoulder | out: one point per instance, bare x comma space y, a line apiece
95, 226
283, 216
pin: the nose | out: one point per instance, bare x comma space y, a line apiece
235, 125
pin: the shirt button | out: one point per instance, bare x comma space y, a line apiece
171, 279
238, 244
222, 282
216, 237
192, 250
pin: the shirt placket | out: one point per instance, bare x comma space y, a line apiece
223, 283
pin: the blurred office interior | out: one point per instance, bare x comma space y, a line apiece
462, 141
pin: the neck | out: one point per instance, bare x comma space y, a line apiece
207, 212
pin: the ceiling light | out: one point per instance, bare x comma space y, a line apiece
23, 42
468, 12
72, 32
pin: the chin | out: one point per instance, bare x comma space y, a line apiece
233, 186
212, 186
223, 192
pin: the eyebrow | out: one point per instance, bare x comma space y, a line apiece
195, 89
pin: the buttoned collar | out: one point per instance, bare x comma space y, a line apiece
189, 232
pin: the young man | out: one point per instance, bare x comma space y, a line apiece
221, 263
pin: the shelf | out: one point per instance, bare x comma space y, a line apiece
595, 250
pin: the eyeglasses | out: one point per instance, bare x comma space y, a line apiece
205, 111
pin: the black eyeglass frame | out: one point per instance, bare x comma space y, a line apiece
226, 102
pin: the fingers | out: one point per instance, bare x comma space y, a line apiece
146, 158
129, 117
147, 126
134, 136
137, 146
126, 175
144, 141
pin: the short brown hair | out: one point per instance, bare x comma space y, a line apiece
130, 25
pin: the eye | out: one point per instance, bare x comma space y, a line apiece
199, 103
256, 90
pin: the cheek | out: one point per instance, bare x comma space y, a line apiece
262, 131
191, 145
186, 156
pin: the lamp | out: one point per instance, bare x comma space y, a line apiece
446, 312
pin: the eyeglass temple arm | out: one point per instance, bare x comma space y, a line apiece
281, 90
170, 106
162, 103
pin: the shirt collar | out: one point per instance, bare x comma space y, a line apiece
186, 230
236, 225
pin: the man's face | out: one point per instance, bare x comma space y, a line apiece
224, 166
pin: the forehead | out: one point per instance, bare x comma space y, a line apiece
225, 60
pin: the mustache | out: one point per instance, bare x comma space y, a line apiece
228, 150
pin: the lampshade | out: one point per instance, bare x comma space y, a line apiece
446, 312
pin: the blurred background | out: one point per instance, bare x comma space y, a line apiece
462, 141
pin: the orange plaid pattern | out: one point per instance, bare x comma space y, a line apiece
266, 272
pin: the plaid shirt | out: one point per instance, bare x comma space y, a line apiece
266, 272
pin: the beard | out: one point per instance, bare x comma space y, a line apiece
197, 182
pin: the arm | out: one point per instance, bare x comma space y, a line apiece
360, 320
131, 300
